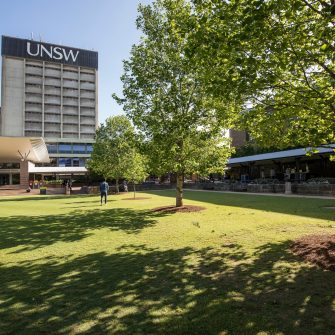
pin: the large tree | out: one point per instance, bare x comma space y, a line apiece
165, 99
114, 141
276, 58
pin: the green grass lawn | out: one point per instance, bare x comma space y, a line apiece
71, 266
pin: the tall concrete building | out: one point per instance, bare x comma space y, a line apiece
50, 91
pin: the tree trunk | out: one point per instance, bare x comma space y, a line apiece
117, 185
179, 195
134, 189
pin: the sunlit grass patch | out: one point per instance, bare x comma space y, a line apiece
69, 265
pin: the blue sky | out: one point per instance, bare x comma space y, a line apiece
106, 26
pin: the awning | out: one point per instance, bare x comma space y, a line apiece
280, 154
57, 169
16, 149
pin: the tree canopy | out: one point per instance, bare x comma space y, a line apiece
275, 59
163, 96
114, 142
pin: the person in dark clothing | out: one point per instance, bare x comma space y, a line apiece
104, 187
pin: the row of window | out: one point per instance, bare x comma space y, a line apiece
65, 162
65, 79
9, 165
69, 148
68, 162
56, 67
65, 89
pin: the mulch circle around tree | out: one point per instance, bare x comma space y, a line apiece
316, 249
182, 209
137, 198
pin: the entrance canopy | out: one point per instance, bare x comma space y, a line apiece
16, 149
60, 170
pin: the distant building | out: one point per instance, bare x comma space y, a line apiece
238, 137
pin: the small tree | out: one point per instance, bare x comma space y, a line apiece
113, 142
136, 171
164, 98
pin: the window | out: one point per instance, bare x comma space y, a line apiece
89, 148
65, 148
9, 165
52, 148
79, 148
64, 162
78, 162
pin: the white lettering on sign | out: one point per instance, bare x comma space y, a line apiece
52, 52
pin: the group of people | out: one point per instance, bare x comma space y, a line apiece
104, 187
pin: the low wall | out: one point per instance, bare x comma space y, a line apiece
55, 190
266, 188
234, 187
314, 189
307, 189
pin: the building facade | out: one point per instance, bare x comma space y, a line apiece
50, 91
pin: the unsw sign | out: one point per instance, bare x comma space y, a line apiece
18, 47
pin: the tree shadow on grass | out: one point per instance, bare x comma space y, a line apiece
31, 232
307, 207
185, 291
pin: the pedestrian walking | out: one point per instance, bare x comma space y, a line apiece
125, 186
104, 187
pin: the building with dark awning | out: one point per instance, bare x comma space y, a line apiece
295, 164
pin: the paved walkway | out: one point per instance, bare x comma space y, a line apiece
267, 194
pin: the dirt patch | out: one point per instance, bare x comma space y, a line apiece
316, 249
137, 198
182, 209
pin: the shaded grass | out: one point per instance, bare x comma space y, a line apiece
69, 266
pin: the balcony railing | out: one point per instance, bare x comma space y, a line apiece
52, 82
90, 121
87, 94
52, 90
34, 70
52, 73
33, 80
88, 77
70, 84
87, 86
70, 75
87, 103
33, 107
52, 100
34, 89
34, 98
52, 118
